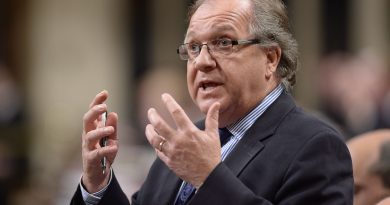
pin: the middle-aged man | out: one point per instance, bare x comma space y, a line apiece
241, 61
371, 166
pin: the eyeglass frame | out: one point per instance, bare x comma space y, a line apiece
199, 47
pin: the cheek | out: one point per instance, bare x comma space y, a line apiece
191, 81
251, 79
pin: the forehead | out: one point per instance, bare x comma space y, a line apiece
215, 16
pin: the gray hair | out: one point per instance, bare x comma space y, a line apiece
270, 23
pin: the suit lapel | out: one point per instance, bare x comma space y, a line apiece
170, 187
172, 183
252, 142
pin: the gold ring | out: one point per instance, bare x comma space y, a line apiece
160, 146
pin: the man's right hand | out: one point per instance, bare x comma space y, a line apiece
93, 178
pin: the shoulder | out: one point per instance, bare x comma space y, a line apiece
302, 134
302, 124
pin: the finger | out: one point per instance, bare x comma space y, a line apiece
98, 154
153, 137
163, 157
91, 139
179, 116
90, 117
112, 120
99, 98
111, 152
212, 117
159, 124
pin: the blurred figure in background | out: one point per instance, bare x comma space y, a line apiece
10, 99
352, 92
12, 152
370, 154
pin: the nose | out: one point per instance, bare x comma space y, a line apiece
205, 61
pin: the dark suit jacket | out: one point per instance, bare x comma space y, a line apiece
287, 157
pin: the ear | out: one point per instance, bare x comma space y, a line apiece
273, 57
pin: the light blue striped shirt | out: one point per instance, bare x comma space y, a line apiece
239, 128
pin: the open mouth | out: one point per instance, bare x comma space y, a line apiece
205, 86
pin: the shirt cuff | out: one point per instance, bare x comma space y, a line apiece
94, 198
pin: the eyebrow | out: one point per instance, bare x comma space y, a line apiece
215, 30
225, 27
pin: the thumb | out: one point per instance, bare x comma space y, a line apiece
212, 119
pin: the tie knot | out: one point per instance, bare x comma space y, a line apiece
224, 135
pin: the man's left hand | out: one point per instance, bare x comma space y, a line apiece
188, 151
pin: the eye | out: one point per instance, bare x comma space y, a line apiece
224, 42
193, 47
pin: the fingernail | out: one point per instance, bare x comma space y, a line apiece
101, 93
150, 111
150, 114
164, 97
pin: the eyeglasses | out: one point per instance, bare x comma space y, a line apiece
224, 46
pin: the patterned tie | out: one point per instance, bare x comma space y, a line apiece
224, 136
188, 190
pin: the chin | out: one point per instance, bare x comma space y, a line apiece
204, 105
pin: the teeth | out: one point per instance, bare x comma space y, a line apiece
205, 86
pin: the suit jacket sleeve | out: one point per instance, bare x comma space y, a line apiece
113, 195
320, 173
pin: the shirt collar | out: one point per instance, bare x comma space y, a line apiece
239, 128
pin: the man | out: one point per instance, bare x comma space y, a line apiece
370, 154
241, 60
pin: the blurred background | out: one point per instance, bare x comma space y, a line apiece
56, 55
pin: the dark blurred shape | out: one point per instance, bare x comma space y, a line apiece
10, 100
141, 21
13, 161
13, 134
335, 23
